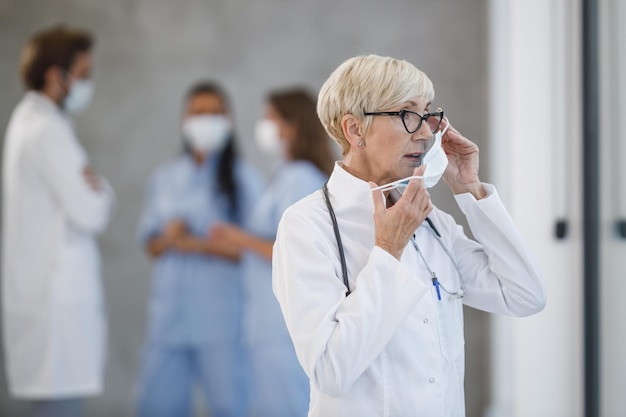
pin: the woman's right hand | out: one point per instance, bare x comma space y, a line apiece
174, 230
395, 225
171, 237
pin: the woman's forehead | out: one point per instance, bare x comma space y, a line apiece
206, 103
419, 102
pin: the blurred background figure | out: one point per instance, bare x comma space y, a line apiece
291, 131
53, 207
194, 313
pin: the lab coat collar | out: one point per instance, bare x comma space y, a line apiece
42, 99
46, 103
349, 190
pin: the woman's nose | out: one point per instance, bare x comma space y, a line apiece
423, 133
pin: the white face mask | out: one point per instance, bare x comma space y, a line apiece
207, 133
267, 137
436, 162
79, 96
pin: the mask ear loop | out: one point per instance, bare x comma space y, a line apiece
392, 185
445, 129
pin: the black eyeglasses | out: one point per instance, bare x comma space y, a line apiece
413, 121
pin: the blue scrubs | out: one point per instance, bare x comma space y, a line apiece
280, 388
195, 307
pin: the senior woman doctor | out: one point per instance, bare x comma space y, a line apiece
390, 342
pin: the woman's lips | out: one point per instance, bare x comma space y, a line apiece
415, 157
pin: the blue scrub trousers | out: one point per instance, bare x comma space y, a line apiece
170, 372
280, 386
70, 407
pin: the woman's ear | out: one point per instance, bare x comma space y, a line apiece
56, 83
289, 131
352, 130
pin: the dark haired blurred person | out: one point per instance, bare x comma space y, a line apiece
292, 132
194, 314
54, 205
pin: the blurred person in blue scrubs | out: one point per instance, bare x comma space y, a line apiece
53, 207
194, 314
292, 131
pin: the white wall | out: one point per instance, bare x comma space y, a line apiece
535, 162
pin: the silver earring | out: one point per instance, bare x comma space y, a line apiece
361, 144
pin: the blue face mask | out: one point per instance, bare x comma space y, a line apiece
436, 162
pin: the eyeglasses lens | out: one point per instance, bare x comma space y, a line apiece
412, 121
433, 121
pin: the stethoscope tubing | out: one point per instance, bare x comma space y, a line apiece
342, 256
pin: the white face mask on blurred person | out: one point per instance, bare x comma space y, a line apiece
266, 135
207, 133
79, 96
436, 163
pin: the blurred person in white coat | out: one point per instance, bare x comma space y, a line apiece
54, 205
370, 276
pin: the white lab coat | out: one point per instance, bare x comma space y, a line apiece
391, 348
53, 310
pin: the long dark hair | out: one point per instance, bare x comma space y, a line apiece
311, 143
226, 181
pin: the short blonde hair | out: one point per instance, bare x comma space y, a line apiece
367, 84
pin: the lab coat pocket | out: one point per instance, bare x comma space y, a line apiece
451, 327
78, 278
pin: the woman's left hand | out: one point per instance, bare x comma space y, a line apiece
229, 234
461, 175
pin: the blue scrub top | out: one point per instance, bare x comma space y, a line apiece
196, 299
263, 319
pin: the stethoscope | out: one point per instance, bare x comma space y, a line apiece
435, 280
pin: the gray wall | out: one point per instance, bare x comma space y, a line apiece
148, 53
